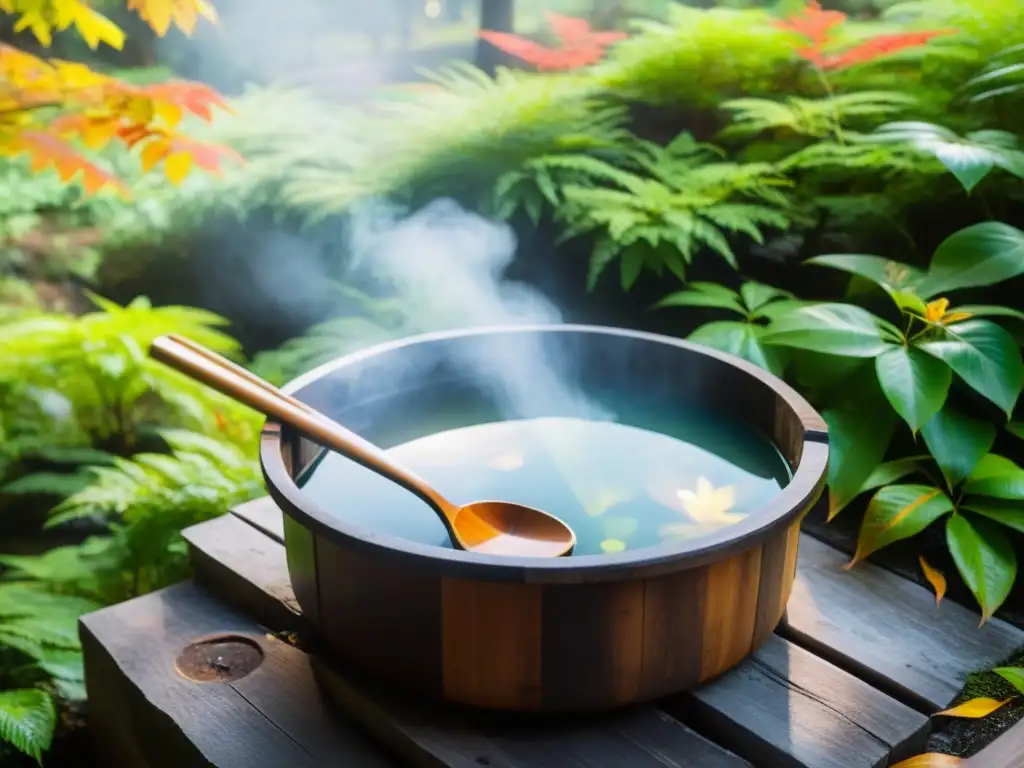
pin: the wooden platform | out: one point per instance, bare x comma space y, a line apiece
848, 681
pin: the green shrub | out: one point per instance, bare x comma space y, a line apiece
952, 376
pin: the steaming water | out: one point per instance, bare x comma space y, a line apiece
652, 475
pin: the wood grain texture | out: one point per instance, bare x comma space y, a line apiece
424, 734
491, 643
783, 706
730, 611
888, 630
273, 717
228, 538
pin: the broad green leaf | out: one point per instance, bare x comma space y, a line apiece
891, 276
890, 471
1016, 428
985, 559
957, 442
858, 439
835, 329
915, 383
742, 340
1008, 513
756, 295
979, 255
986, 357
898, 512
973, 708
778, 308
1013, 675
997, 477
62, 664
27, 720
701, 299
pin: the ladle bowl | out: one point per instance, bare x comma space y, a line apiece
565, 634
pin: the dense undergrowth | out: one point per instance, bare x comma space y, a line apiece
725, 133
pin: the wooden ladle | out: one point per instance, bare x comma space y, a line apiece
489, 527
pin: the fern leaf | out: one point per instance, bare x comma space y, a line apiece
27, 721
604, 253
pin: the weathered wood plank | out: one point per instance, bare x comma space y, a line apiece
428, 735
264, 515
1007, 751
842, 719
887, 630
784, 706
274, 716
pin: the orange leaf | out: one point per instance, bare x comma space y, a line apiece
153, 153
935, 578
973, 708
930, 760
48, 151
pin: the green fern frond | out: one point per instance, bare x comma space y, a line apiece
28, 718
672, 207
454, 138
816, 118
698, 56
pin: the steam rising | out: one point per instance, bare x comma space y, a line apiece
448, 266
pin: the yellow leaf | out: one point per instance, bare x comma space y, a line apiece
177, 166
96, 28
930, 760
612, 545
171, 113
935, 578
935, 310
973, 709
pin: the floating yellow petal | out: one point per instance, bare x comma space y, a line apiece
935, 578
709, 505
973, 709
613, 545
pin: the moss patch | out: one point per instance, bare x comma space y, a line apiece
957, 736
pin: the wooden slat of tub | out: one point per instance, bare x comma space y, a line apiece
753, 709
867, 620
888, 630
147, 715
426, 734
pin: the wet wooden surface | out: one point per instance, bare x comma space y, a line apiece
845, 683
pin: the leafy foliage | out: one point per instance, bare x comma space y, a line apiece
657, 207
970, 158
147, 501
469, 129
916, 364
49, 102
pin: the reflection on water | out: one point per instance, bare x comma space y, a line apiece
620, 485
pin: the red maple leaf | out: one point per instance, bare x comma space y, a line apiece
580, 45
48, 151
879, 46
817, 25
813, 23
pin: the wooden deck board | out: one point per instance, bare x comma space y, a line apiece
273, 717
785, 706
753, 709
888, 631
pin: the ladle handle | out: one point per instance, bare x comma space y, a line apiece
232, 380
